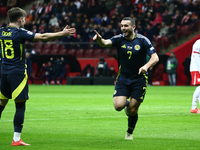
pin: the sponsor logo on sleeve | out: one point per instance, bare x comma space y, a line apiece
151, 48
29, 32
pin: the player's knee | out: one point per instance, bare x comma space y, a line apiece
20, 100
133, 111
119, 103
118, 108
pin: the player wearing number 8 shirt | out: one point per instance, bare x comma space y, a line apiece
131, 82
13, 70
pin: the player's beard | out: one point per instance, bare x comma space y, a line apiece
22, 24
128, 33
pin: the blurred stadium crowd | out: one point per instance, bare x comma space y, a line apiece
162, 21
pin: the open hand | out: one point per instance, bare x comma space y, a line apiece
69, 31
97, 36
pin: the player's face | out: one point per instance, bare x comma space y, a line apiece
126, 28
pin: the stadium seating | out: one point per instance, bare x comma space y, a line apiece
166, 42
33, 44
89, 53
55, 49
98, 53
62, 51
196, 26
46, 49
38, 47
3, 11
157, 48
36, 74
71, 52
185, 30
80, 53
114, 51
157, 44
158, 74
67, 67
107, 51
178, 32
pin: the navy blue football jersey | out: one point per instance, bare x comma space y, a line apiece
12, 41
132, 53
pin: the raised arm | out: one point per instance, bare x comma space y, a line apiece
102, 42
50, 36
153, 60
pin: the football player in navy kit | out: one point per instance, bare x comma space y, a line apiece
14, 83
132, 77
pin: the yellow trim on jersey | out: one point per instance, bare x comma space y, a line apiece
123, 46
19, 89
146, 78
2, 48
2, 96
119, 72
21, 50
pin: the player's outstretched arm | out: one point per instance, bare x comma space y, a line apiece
102, 42
50, 36
153, 60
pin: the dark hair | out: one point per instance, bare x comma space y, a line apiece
101, 59
130, 19
15, 13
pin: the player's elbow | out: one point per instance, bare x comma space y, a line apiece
155, 58
40, 37
44, 37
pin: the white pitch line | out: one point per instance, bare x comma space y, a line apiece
100, 117
88, 109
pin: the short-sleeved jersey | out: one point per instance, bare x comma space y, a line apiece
195, 57
132, 53
12, 41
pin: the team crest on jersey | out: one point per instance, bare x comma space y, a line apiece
115, 92
129, 47
137, 47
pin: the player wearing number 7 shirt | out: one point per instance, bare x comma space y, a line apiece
13, 70
132, 77
195, 74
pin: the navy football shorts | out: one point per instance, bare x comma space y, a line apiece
14, 86
136, 89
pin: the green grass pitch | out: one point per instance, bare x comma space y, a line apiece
83, 118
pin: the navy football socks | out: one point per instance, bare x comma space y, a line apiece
127, 103
132, 120
19, 117
1, 109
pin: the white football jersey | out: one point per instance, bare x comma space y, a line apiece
195, 57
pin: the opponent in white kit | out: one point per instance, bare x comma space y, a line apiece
195, 74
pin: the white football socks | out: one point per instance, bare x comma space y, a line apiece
195, 97
16, 136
